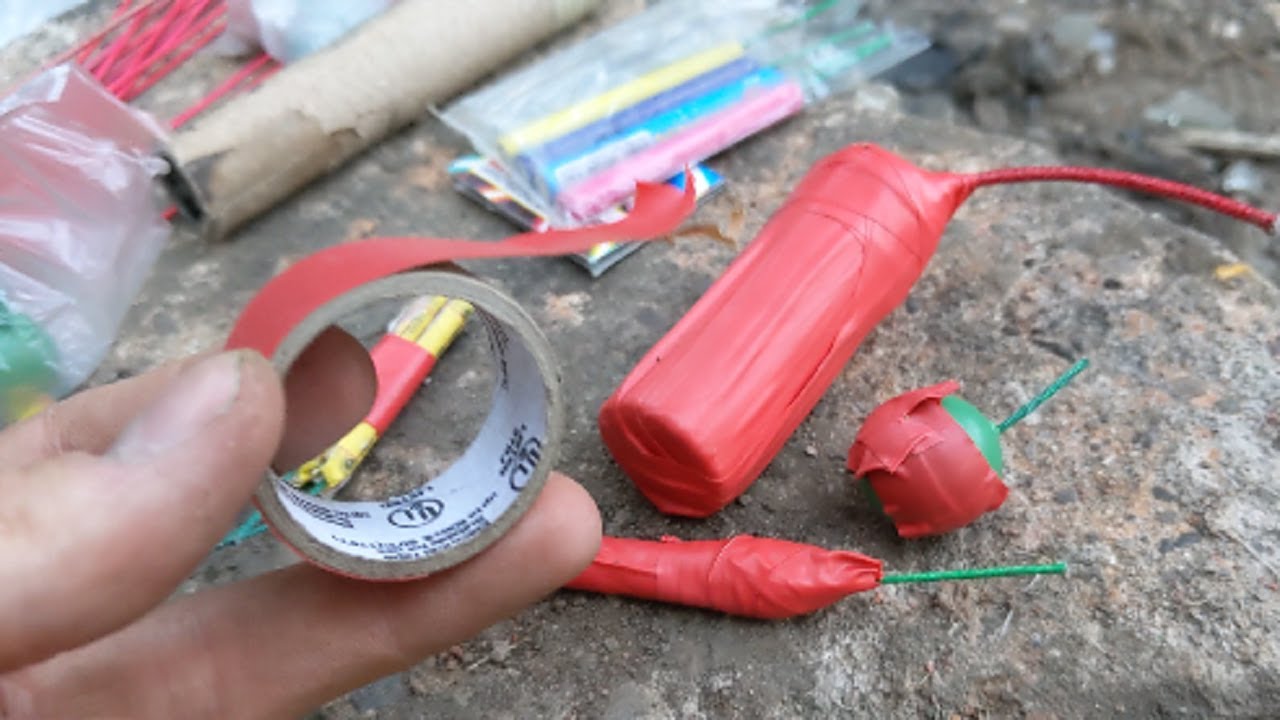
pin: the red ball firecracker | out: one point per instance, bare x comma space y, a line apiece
934, 460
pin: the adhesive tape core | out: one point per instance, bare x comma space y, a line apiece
452, 517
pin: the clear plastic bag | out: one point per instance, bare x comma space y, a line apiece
20, 17
289, 30
80, 227
665, 89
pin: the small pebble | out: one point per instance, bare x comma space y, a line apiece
501, 651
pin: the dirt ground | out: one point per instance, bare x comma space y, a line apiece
1153, 476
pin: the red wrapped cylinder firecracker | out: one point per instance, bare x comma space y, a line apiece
716, 398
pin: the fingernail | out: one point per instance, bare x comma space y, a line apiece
192, 401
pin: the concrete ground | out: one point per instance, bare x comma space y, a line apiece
1154, 475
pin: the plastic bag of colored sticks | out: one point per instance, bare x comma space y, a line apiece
665, 89
81, 224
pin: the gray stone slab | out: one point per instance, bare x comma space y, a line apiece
1154, 475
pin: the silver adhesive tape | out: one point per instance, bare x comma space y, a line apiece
457, 514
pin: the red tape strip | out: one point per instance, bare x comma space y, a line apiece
319, 278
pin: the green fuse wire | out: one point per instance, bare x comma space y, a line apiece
986, 434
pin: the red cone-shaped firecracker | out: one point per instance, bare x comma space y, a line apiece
933, 465
745, 576
714, 400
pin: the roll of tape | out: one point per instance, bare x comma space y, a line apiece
461, 512
474, 502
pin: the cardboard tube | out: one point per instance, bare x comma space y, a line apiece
309, 118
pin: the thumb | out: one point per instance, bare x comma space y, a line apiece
88, 543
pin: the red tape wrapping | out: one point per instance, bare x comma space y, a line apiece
300, 291
319, 278
401, 366
743, 575
928, 474
715, 399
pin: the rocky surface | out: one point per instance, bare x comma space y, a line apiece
1153, 475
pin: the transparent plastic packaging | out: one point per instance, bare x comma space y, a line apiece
289, 30
20, 17
81, 225
665, 89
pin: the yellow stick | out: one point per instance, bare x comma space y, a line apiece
433, 327
590, 110
445, 327
412, 326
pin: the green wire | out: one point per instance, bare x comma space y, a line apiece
251, 526
973, 574
1022, 412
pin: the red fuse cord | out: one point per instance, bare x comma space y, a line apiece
1131, 181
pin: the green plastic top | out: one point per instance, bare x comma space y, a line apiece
982, 431
28, 358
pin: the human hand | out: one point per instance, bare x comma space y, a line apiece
113, 497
